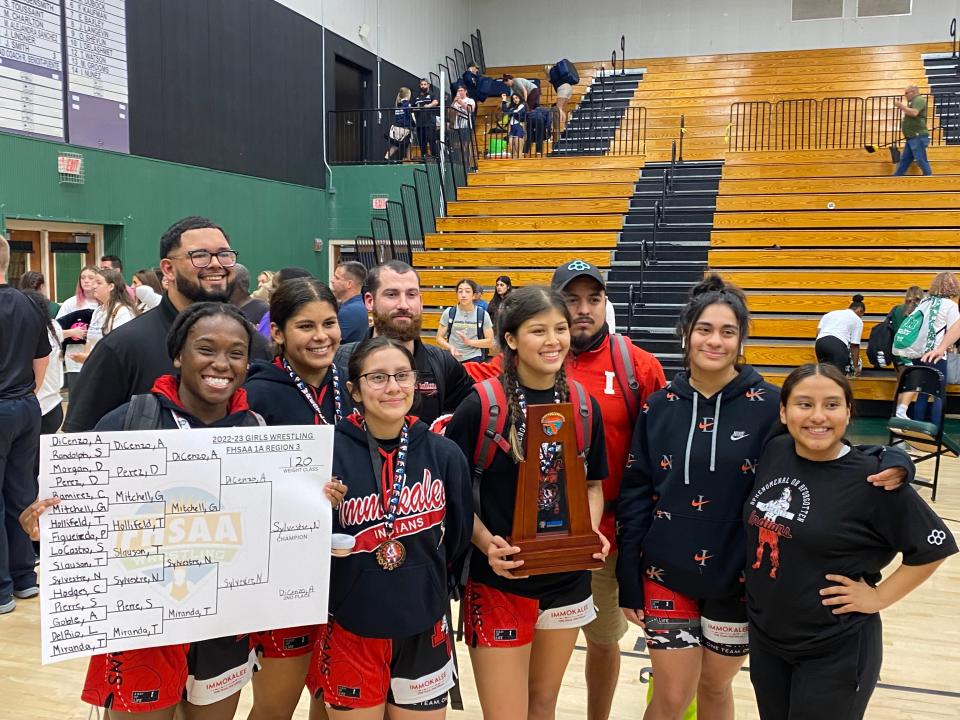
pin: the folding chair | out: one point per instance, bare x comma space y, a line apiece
923, 440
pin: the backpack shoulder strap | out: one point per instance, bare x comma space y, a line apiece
583, 407
143, 413
626, 375
493, 421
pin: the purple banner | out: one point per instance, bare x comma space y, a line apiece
98, 123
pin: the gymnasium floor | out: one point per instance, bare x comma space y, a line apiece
920, 677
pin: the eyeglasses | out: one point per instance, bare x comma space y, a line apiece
202, 258
378, 380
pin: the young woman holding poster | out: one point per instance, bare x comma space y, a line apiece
387, 646
209, 344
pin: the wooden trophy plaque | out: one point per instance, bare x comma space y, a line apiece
551, 516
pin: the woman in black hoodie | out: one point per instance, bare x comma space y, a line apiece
691, 466
301, 386
410, 513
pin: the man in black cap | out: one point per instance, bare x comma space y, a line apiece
620, 376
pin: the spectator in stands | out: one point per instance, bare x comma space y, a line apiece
401, 129
539, 129
74, 317
250, 307
838, 337
526, 89
33, 280
347, 285
465, 330
501, 290
197, 263
115, 309
48, 394
469, 81
147, 287
264, 286
24, 355
288, 273
914, 129
464, 109
911, 299
393, 299
564, 93
516, 111
426, 120
942, 316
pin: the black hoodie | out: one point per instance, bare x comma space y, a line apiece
272, 393
691, 469
434, 523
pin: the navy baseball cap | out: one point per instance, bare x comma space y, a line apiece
570, 271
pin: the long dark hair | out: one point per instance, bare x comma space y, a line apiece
31, 280
518, 307
712, 290
291, 295
42, 306
119, 297
493, 307
149, 278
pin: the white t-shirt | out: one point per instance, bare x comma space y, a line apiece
464, 109
99, 320
948, 315
611, 317
467, 322
843, 324
49, 393
71, 305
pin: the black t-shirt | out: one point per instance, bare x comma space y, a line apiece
435, 399
498, 488
422, 100
23, 339
815, 518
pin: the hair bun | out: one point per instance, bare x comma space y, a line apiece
711, 283
858, 298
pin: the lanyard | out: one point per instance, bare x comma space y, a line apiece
308, 396
181, 422
392, 501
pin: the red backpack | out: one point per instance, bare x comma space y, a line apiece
493, 422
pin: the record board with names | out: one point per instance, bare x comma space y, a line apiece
96, 42
31, 68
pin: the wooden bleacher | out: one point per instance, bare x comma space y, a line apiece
800, 231
797, 257
702, 88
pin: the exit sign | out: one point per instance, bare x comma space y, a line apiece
70, 165
379, 202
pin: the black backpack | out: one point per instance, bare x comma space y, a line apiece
880, 343
451, 313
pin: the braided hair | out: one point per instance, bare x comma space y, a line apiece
519, 306
177, 337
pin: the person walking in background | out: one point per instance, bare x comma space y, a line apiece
527, 90
74, 317
250, 307
465, 108
347, 285
115, 309
48, 394
426, 119
500, 292
915, 133
469, 81
33, 280
401, 128
839, 333
465, 330
24, 354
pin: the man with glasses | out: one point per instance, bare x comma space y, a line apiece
198, 266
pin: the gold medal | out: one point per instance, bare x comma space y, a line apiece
391, 554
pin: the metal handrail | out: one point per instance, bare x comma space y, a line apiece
623, 56
683, 131
953, 39
657, 221
630, 301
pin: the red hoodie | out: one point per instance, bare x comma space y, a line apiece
594, 370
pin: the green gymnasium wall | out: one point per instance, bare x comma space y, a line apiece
271, 224
350, 207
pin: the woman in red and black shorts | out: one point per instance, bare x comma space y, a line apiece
522, 631
409, 511
302, 386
